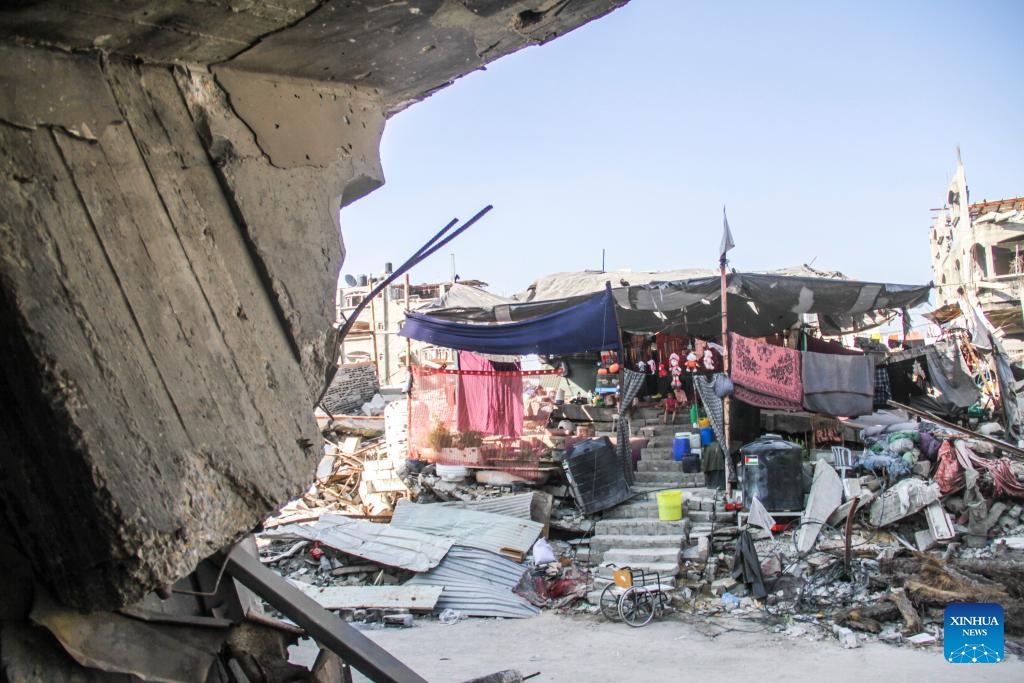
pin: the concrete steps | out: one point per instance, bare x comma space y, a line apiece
632, 534
656, 453
637, 527
655, 558
669, 478
658, 466
600, 546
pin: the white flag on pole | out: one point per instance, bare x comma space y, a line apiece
727, 242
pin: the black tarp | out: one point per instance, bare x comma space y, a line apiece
759, 304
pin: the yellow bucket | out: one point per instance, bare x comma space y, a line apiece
670, 505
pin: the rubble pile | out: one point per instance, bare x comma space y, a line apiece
922, 517
940, 522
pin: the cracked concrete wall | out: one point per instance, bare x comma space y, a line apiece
162, 286
171, 175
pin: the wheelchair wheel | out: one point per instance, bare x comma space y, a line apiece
610, 603
636, 607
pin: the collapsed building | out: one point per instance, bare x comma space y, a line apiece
978, 258
172, 177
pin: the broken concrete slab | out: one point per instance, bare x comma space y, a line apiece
825, 496
412, 598
171, 417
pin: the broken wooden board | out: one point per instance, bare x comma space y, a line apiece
826, 495
413, 598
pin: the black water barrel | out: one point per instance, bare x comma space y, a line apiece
773, 471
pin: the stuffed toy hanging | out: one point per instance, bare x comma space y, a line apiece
675, 370
709, 360
691, 362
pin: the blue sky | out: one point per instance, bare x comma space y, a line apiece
828, 129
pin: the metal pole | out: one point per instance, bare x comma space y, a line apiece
387, 340
408, 383
373, 331
727, 401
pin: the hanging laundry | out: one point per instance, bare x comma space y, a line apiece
883, 387
841, 386
766, 376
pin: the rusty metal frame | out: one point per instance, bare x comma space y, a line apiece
325, 627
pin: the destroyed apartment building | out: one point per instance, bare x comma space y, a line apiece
978, 257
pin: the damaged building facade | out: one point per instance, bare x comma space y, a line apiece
978, 258
172, 174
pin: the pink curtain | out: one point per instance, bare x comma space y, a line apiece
491, 403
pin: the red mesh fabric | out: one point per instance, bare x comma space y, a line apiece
474, 417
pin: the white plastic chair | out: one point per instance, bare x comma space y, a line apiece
844, 460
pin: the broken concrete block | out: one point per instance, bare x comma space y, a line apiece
771, 566
697, 552
847, 638
924, 539
921, 639
989, 521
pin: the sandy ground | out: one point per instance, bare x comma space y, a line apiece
588, 648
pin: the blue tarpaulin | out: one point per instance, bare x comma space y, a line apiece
586, 326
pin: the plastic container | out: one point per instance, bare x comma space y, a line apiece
452, 473
694, 441
670, 505
773, 471
680, 445
691, 463
707, 435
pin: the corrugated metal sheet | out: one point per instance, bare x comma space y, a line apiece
505, 535
477, 583
382, 543
518, 505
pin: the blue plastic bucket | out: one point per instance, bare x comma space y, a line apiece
707, 435
681, 445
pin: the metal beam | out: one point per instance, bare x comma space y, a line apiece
325, 627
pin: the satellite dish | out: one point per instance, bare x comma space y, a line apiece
350, 281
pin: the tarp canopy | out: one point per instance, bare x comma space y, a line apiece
576, 327
759, 304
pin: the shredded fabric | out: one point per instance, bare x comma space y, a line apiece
1002, 474
950, 473
766, 376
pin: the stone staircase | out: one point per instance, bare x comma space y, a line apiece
632, 535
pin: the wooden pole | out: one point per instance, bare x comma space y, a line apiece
725, 368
